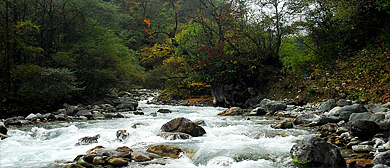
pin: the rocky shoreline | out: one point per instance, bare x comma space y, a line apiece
350, 134
348, 130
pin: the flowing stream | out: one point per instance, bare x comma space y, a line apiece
228, 142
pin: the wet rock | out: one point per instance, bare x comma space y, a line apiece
153, 114
359, 163
375, 108
233, 111
364, 129
335, 111
382, 158
13, 121
126, 104
3, 129
326, 119
138, 157
31, 117
2, 136
124, 149
88, 140
138, 113
258, 111
315, 152
85, 113
49, 116
98, 160
343, 102
381, 166
305, 119
174, 135
71, 110
362, 148
118, 162
200, 122
271, 106
94, 149
366, 116
122, 135
183, 125
346, 111
164, 111
60, 117
285, 124
168, 151
328, 105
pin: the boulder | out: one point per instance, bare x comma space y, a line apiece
258, 111
13, 121
31, 117
382, 158
168, 151
200, 122
326, 119
343, 102
328, 105
71, 110
375, 108
271, 106
164, 111
85, 113
347, 111
335, 111
315, 152
139, 157
363, 129
49, 116
3, 129
305, 119
381, 166
138, 113
377, 118
362, 148
283, 124
118, 162
233, 111
127, 104
174, 135
124, 149
2, 136
122, 135
183, 125
88, 140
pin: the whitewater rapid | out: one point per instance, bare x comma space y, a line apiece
228, 142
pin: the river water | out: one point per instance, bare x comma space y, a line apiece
229, 141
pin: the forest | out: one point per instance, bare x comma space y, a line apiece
71, 51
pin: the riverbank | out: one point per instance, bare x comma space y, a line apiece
360, 131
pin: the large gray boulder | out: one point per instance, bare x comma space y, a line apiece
367, 116
13, 121
305, 119
85, 113
32, 117
271, 106
343, 102
127, 104
346, 111
315, 152
382, 158
3, 129
364, 129
183, 125
375, 108
328, 105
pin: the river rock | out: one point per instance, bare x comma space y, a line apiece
71, 110
3, 129
200, 122
362, 148
139, 157
168, 151
283, 124
382, 158
343, 102
164, 111
85, 113
334, 112
347, 111
305, 119
31, 117
127, 104
315, 152
258, 111
183, 125
49, 116
88, 140
328, 105
326, 119
122, 135
118, 162
376, 108
138, 113
2, 136
271, 106
367, 116
233, 111
174, 135
381, 166
364, 129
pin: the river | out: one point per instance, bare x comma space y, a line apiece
229, 141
